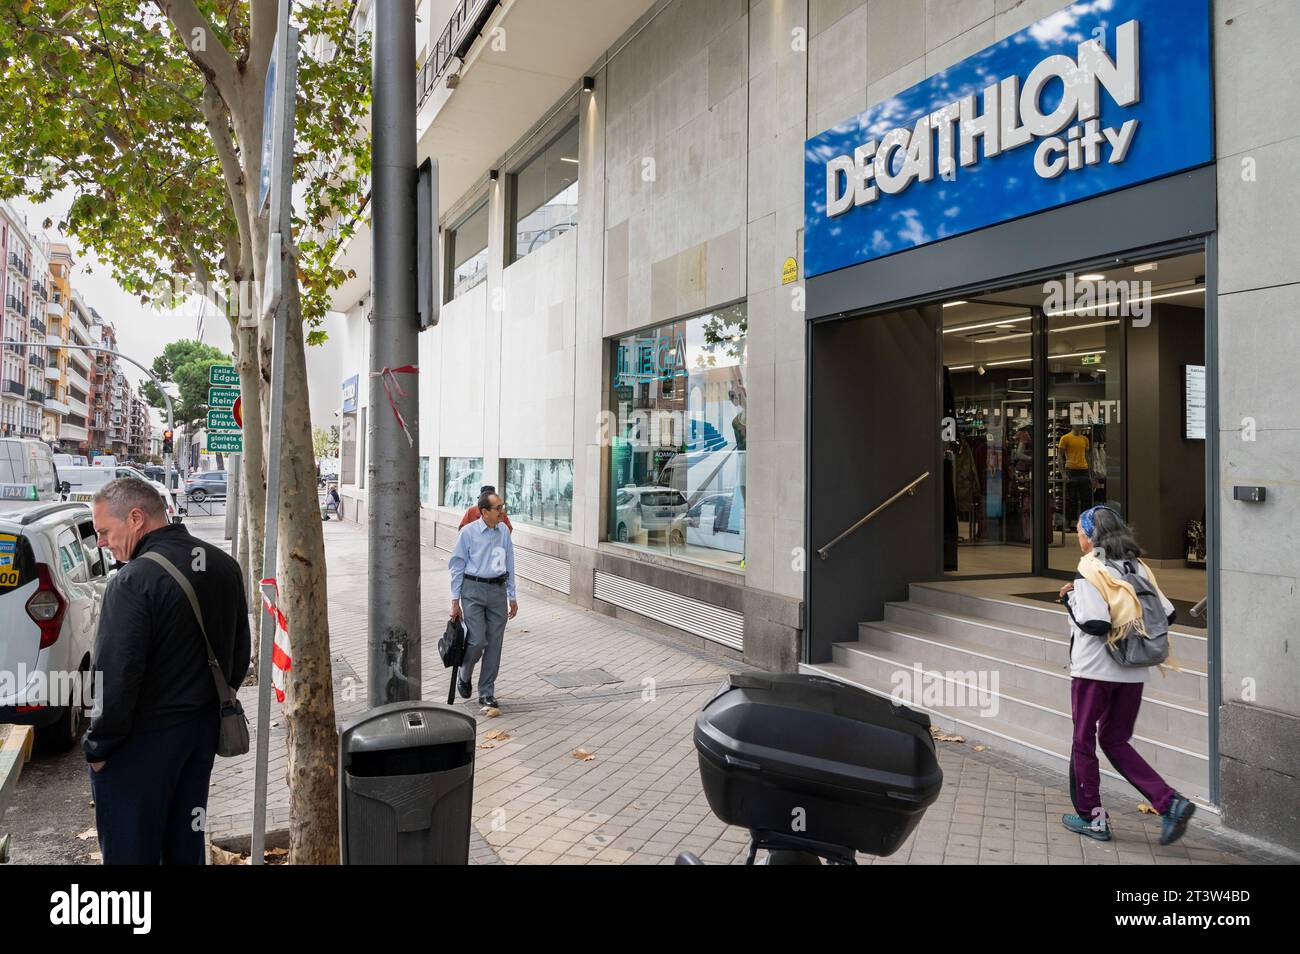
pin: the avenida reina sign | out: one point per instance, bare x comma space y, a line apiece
1101, 95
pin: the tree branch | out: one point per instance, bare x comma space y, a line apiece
214, 116
213, 59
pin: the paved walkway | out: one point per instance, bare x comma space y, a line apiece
638, 799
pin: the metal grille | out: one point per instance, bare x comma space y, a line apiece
542, 568
703, 619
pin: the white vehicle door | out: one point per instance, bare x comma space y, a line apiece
82, 596
99, 563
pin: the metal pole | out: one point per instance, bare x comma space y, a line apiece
394, 506
285, 53
232, 500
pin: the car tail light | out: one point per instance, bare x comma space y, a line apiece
46, 606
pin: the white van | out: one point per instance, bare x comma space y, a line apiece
84, 482
104, 460
70, 460
27, 470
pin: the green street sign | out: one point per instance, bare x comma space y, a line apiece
225, 443
222, 397
224, 375
222, 419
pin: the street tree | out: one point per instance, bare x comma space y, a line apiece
185, 363
151, 114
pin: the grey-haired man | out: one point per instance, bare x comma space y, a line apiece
482, 584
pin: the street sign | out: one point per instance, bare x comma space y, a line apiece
222, 419
219, 443
223, 375
222, 397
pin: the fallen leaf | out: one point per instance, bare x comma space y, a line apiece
1146, 809
222, 857
88, 834
582, 755
979, 748
487, 745
497, 735
491, 712
940, 736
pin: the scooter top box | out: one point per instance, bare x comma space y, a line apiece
804, 758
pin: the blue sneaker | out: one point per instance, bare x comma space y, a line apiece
1176, 816
1080, 827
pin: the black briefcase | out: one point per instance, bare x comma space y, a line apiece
452, 644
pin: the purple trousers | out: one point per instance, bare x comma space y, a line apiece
1106, 712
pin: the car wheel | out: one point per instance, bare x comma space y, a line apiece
198, 495
63, 735
621, 535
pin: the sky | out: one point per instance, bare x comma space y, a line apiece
142, 331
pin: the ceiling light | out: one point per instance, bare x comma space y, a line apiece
953, 304
986, 324
1094, 277
1148, 267
588, 84
1007, 325
567, 159
1199, 289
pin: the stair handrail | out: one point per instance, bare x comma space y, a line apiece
909, 490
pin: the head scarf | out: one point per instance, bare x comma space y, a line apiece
1086, 518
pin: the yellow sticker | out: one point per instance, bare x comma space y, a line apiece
9, 575
789, 271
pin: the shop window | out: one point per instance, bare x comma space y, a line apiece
461, 479
540, 492
546, 195
678, 438
424, 480
467, 243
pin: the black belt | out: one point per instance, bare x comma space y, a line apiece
496, 580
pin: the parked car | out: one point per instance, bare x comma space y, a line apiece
71, 460
84, 482
52, 581
652, 509
210, 483
716, 521
153, 472
27, 470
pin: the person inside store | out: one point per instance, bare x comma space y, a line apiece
1105, 696
1073, 448
473, 512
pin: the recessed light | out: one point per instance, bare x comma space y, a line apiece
1004, 325
1148, 267
953, 304
1094, 277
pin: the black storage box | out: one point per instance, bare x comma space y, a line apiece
805, 759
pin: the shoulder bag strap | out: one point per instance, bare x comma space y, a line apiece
224, 692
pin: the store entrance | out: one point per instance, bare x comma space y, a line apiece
1086, 388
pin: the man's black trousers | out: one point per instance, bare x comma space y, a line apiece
151, 796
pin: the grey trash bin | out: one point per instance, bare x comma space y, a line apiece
406, 785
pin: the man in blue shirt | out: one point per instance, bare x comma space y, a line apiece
482, 581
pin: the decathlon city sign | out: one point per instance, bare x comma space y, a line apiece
1099, 96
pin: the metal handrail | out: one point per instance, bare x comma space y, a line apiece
909, 490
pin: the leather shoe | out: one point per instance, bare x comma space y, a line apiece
464, 688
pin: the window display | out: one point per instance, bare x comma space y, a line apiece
461, 479
677, 460
540, 492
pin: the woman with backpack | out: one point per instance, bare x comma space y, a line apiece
1119, 621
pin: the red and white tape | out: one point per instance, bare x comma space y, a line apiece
281, 660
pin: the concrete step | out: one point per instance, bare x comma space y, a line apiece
1035, 747
1049, 618
1189, 681
1163, 711
1012, 708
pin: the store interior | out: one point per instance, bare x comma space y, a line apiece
1123, 408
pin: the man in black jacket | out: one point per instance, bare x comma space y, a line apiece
152, 746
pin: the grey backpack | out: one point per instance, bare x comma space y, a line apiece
1135, 650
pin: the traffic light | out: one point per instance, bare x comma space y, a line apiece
167, 442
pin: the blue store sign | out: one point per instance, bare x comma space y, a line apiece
350, 394
1100, 96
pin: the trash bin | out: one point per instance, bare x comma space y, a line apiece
406, 785
805, 762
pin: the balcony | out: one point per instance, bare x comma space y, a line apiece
77, 356
54, 309
12, 387
15, 305
78, 381
71, 432
36, 395
57, 406
52, 372
38, 326
15, 347
467, 20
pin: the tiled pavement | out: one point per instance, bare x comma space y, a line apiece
639, 799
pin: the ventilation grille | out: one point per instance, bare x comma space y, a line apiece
542, 568
703, 619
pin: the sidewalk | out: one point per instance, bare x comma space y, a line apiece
638, 800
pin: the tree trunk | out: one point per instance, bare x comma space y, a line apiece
309, 690
252, 497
